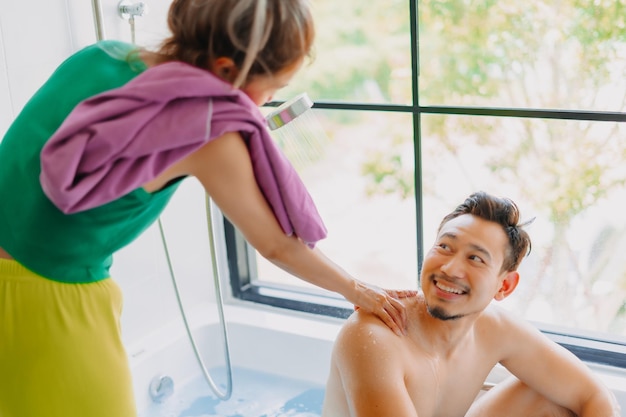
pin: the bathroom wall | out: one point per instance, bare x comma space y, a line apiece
31, 45
6, 112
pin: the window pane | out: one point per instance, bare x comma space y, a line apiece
361, 178
571, 176
362, 54
529, 54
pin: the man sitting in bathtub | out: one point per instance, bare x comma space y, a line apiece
455, 337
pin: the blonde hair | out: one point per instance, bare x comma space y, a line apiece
262, 37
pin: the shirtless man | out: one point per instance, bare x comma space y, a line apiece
456, 336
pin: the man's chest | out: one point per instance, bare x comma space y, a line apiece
446, 388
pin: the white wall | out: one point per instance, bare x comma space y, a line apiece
32, 45
6, 111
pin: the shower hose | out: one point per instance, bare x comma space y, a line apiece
220, 309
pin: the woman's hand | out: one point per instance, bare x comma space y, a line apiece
384, 304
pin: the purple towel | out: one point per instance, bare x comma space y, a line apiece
114, 142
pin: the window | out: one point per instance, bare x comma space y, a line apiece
427, 101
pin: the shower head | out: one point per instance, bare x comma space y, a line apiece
289, 111
298, 132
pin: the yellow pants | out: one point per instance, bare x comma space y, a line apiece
61, 353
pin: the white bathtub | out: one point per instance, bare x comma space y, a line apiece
269, 341
292, 347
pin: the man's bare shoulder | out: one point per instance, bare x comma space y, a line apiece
364, 324
504, 333
367, 347
496, 319
366, 334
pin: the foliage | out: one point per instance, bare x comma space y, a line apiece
357, 46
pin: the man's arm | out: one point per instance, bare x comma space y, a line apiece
555, 372
367, 357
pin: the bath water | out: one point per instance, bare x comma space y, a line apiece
255, 394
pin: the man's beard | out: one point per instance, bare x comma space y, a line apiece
440, 313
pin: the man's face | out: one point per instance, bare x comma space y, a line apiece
461, 273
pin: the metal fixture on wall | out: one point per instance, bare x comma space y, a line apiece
128, 11
97, 19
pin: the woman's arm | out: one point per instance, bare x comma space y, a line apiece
224, 168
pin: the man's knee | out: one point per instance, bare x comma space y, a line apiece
514, 398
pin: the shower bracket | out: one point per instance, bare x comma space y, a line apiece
128, 10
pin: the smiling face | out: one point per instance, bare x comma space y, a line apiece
462, 272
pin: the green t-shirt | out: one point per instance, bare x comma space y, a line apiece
78, 247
